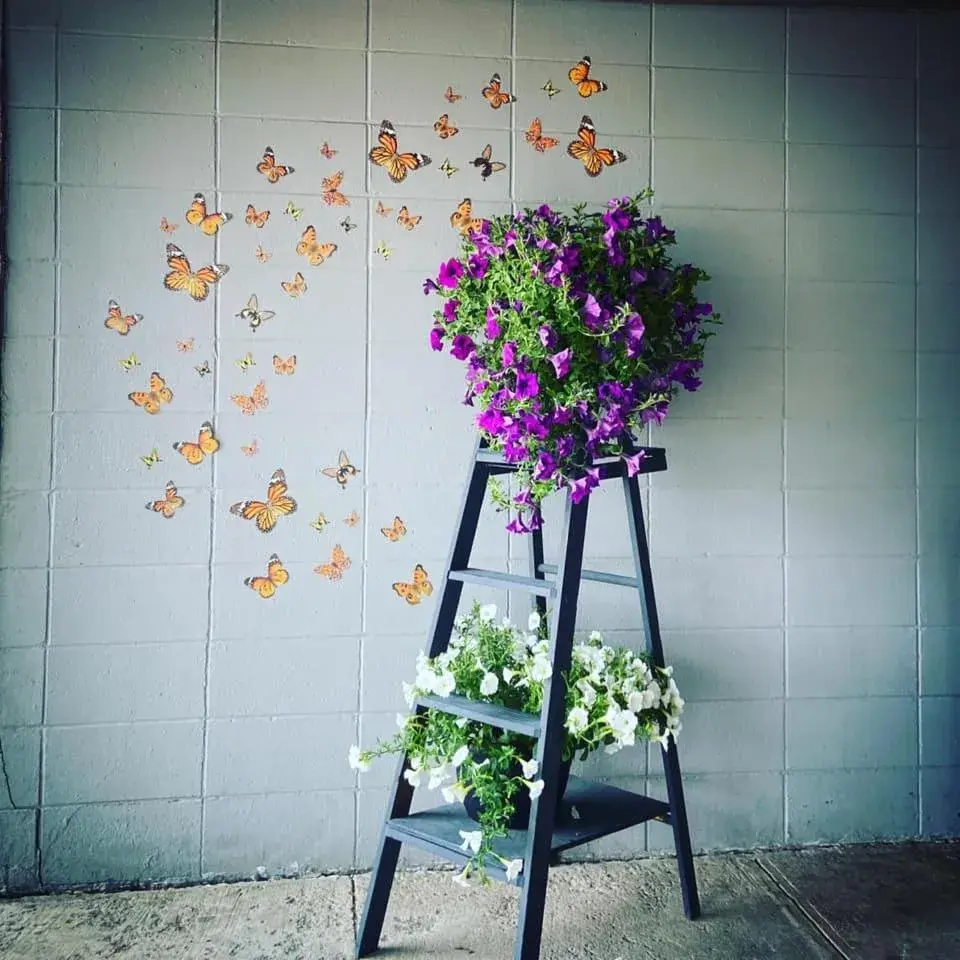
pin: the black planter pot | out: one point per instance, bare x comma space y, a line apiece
521, 814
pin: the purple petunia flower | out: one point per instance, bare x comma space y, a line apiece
518, 306
516, 525
591, 309
450, 273
492, 328
478, 265
564, 447
436, 338
450, 310
580, 489
547, 337
633, 462
462, 346
492, 421
638, 277
561, 362
546, 467
527, 385
509, 353
429, 286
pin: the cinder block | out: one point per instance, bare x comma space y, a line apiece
34, 133
937, 235
387, 661
939, 731
864, 662
832, 178
21, 757
846, 733
143, 536
340, 23
25, 527
130, 150
939, 596
18, 858
939, 192
30, 72
279, 755
145, 18
30, 223
751, 310
937, 445
285, 833
877, 43
938, 392
273, 677
483, 30
26, 452
935, 327
831, 315
940, 790
731, 736
32, 13
122, 842
619, 34
125, 683
295, 74
82, 612
861, 592
21, 679
718, 104
23, 607
725, 811
855, 110
27, 372
938, 124
173, 76
940, 661
371, 807
713, 38
851, 806
29, 298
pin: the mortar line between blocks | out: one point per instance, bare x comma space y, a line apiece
918, 639
785, 643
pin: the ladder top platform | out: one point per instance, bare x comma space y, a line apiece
654, 461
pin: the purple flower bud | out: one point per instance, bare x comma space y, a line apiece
516, 525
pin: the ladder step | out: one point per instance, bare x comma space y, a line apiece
599, 576
494, 714
504, 581
655, 461
588, 811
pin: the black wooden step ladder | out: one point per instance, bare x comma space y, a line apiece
599, 809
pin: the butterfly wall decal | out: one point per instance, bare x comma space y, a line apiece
452, 97
396, 531
256, 218
549, 89
276, 577
327, 152
285, 365
580, 77
346, 225
294, 212
116, 320
262, 255
266, 513
296, 287
183, 277
257, 400
462, 218
207, 445
203, 368
151, 459
444, 129
319, 523
486, 165
448, 168
250, 449
245, 362
314, 251
343, 472
383, 250
338, 564
208, 223
185, 346
420, 586
585, 149
151, 399
495, 95
383, 211
269, 167
330, 191
166, 226
352, 518
385, 155
128, 363
534, 136
253, 314
169, 503
406, 219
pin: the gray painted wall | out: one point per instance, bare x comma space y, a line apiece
158, 720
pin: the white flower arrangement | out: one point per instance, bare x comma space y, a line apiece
615, 698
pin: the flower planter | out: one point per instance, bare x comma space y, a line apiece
521, 815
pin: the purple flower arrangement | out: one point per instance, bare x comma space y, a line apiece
577, 330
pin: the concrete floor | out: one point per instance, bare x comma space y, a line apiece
872, 902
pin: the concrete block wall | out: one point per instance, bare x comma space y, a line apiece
158, 720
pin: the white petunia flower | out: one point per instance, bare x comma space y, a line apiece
533, 622
508, 674
461, 755
462, 879
437, 776
471, 840
589, 693
487, 612
461, 722
536, 788
408, 692
426, 680
413, 777
356, 761
445, 684
635, 701
541, 668
514, 869
577, 720
489, 684
613, 748
402, 719
530, 768
596, 636
454, 793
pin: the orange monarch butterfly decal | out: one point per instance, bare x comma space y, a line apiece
250, 449
256, 218
166, 226
334, 570
444, 129
414, 592
330, 191
397, 165
266, 513
206, 445
169, 504
286, 366
269, 167
256, 401
315, 252
182, 277
396, 531
352, 518
461, 220
486, 165
297, 287
185, 346
117, 321
405, 219
276, 576
494, 95
580, 78
261, 254
209, 223
537, 140
450, 96
327, 152
151, 400
584, 149
342, 472
382, 210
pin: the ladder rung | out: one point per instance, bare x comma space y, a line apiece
655, 461
494, 714
508, 581
597, 575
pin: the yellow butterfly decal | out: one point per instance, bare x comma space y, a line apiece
549, 89
416, 590
152, 458
384, 251
203, 368
266, 513
339, 563
206, 445
130, 362
154, 397
291, 211
169, 503
448, 168
396, 531
320, 523
245, 362
276, 577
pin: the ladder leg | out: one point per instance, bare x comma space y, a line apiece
543, 813
671, 762
388, 851
536, 562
